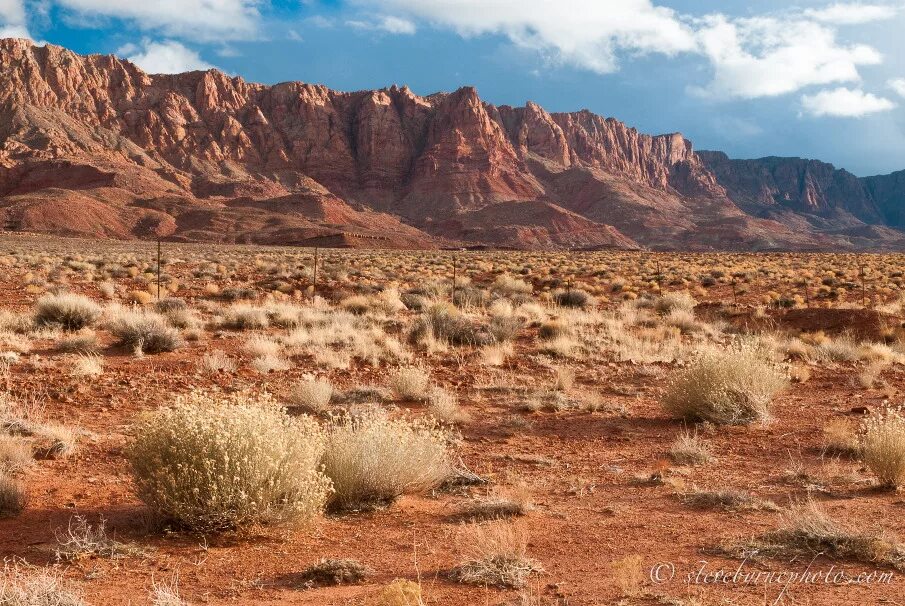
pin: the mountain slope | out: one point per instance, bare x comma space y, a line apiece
91, 145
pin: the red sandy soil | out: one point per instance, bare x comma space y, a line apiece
581, 468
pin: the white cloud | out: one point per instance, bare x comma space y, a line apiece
762, 56
767, 56
898, 85
587, 33
13, 19
392, 25
166, 57
844, 102
851, 13
205, 20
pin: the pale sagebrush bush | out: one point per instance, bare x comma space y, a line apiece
883, 446
510, 285
81, 342
71, 311
260, 345
411, 383
311, 394
144, 330
25, 587
573, 297
496, 355
87, 365
732, 386
213, 462
373, 459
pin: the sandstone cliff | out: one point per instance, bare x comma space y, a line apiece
91, 145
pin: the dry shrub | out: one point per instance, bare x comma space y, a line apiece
495, 556
311, 395
82, 540
88, 365
212, 462
400, 592
330, 571
672, 301
628, 572
373, 459
145, 330
732, 386
573, 297
242, 316
166, 594
82, 342
217, 361
501, 503
840, 437
725, 498
443, 322
411, 383
554, 329
807, 529
26, 587
883, 446
689, 449
12, 497
71, 311
444, 407
15, 453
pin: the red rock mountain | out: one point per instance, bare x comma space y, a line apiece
93, 146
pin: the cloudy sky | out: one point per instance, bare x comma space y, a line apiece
817, 78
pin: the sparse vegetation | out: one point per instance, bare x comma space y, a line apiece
213, 463
731, 386
372, 459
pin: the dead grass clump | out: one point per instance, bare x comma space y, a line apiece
573, 297
15, 453
241, 316
444, 407
70, 311
146, 331
311, 395
81, 342
689, 449
12, 497
554, 329
329, 571
445, 323
672, 301
502, 503
495, 556
217, 361
400, 592
731, 386
212, 462
411, 383
23, 587
883, 446
82, 540
840, 437
807, 529
373, 459
88, 365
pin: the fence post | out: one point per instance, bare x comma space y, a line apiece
453, 295
158, 269
863, 288
314, 283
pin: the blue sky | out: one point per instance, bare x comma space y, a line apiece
820, 79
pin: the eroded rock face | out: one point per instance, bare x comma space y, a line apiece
191, 155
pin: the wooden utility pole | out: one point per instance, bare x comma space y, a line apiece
863, 288
453, 295
314, 284
158, 269
734, 294
659, 279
